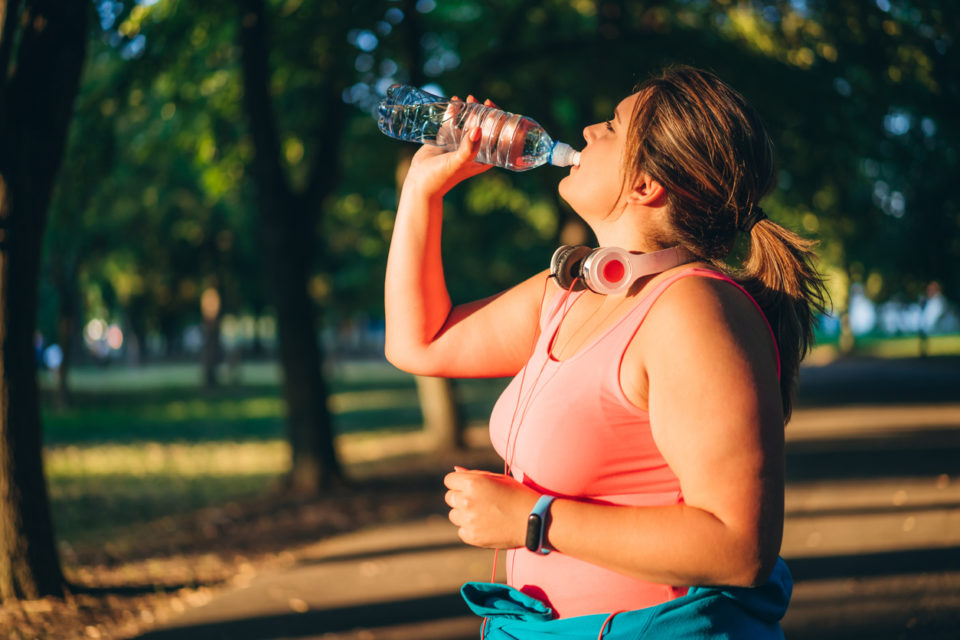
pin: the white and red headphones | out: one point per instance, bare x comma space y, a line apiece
610, 270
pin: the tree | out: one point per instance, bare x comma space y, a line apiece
288, 215
38, 84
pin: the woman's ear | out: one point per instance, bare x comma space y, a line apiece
647, 192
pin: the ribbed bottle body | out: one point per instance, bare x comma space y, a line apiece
508, 140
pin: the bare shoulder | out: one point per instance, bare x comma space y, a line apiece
714, 318
702, 299
697, 326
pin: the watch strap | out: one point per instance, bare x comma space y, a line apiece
537, 523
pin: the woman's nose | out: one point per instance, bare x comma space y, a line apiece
588, 133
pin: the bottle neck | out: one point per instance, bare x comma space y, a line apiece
563, 155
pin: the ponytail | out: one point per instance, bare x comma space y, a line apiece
779, 273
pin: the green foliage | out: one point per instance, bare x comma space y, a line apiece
155, 203
150, 205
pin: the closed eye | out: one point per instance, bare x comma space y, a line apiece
609, 124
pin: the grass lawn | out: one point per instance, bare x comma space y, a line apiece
141, 444
888, 347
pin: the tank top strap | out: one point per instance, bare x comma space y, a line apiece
635, 317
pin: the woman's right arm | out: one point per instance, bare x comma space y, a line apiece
425, 333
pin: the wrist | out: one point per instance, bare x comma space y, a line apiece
422, 188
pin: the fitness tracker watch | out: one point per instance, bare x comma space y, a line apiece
537, 525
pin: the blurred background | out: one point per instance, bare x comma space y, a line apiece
197, 205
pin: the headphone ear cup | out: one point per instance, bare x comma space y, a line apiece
565, 266
608, 270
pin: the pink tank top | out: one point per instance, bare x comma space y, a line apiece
576, 435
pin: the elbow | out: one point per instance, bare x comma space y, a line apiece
748, 560
747, 575
397, 357
390, 353
756, 552
764, 569
408, 360
754, 571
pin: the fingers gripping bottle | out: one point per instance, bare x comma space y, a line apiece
508, 140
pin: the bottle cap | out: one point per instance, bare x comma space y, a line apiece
563, 155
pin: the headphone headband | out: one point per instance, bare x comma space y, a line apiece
610, 270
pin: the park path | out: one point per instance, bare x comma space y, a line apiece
872, 534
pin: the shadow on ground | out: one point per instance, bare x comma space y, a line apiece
863, 380
314, 623
919, 453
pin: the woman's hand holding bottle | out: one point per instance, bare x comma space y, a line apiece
435, 171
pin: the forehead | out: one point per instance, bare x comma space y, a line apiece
625, 107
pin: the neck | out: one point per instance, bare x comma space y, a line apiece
634, 243
633, 230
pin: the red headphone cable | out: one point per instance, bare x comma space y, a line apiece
509, 451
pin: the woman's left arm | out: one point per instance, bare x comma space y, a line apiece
716, 416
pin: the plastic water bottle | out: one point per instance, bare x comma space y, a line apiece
508, 140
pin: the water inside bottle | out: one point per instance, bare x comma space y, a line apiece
508, 140
416, 123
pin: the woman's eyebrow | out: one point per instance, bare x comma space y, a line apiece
616, 115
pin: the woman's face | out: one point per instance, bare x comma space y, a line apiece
595, 187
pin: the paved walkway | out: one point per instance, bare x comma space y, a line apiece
872, 536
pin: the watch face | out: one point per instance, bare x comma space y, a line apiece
534, 527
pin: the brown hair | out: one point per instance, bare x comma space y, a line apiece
709, 149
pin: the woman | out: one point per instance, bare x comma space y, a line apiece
654, 416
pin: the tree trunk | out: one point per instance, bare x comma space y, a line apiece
256, 350
66, 330
287, 221
64, 277
309, 422
211, 352
847, 341
442, 420
35, 108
